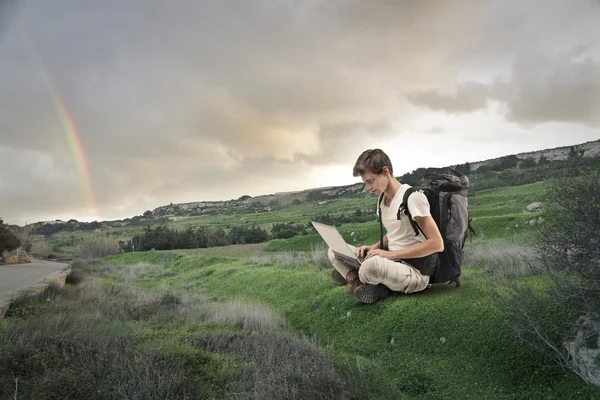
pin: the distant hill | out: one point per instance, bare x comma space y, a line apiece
586, 150
510, 170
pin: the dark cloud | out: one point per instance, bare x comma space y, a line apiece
569, 91
183, 100
540, 90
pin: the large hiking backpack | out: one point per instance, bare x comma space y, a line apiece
446, 190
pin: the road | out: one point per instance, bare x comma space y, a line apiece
16, 277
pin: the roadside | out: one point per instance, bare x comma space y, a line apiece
35, 276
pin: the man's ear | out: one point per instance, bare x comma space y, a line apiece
384, 170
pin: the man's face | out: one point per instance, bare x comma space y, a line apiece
375, 183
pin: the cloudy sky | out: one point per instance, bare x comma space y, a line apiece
110, 108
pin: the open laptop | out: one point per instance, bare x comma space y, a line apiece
337, 244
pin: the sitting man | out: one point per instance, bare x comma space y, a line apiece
404, 261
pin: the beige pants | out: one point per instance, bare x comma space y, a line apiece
398, 276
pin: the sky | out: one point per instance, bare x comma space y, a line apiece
111, 108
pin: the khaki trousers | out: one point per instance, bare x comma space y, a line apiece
398, 276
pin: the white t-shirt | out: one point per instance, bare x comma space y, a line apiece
400, 233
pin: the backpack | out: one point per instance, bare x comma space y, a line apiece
446, 190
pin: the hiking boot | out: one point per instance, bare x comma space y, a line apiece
371, 293
338, 279
352, 285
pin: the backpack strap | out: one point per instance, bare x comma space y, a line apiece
403, 209
380, 221
445, 218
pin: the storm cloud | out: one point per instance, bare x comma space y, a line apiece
187, 101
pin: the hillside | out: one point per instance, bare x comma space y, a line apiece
522, 161
510, 170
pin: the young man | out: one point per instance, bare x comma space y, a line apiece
406, 261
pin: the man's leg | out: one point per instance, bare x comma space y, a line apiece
338, 264
347, 274
398, 276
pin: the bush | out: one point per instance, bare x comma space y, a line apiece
569, 245
8, 240
41, 248
99, 246
285, 230
568, 251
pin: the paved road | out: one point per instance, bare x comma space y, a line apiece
16, 277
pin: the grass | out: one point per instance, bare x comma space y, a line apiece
105, 338
443, 343
496, 213
265, 321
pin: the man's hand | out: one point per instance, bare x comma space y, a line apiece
380, 253
363, 250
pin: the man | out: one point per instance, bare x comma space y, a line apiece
406, 261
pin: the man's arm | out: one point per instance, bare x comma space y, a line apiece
433, 244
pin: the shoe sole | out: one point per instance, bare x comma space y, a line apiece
371, 293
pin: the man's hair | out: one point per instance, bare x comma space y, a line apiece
372, 161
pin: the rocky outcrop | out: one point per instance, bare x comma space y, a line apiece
18, 256
588, 149
584, 350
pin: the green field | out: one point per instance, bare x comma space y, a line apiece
444, 343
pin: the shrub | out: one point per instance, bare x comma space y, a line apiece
569, 246
286, 230
41, 248
99, 246
568, 251
8, 240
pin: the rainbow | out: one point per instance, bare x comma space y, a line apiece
77, 149
70, 132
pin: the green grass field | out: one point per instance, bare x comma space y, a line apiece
443, 343
262, 319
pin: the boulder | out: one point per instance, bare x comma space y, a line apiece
18, 256
584, 350
534, 206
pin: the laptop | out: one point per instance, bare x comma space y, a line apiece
337, 244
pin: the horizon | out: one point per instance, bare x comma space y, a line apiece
279, 193
204, 101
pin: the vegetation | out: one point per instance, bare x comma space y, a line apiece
8, 240
164, 238
99, 246
102, 338
263, 320
568, 252
441, 344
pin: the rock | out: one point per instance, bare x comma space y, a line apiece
584, 350
532, 222
534, 206
18, 256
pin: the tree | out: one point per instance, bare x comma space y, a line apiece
8, 240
